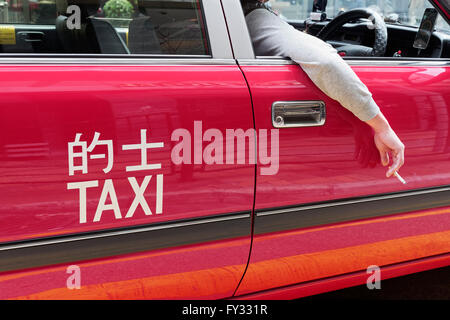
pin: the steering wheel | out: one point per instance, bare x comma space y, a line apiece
378, 25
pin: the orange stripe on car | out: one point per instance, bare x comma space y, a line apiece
290, 270
262, 275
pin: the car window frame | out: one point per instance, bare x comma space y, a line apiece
218, 42
244, 53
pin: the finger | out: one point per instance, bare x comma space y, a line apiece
396, 165
390, 172
384, 158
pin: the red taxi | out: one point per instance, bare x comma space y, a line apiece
147, 153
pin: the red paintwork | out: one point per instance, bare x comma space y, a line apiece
334, 162
348, 280
203, 271
42, 108
304, 255
49, 105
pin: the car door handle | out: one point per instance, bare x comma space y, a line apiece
297, 114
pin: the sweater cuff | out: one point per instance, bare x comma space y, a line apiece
369, 111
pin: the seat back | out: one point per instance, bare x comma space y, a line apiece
94, 35
142, 38
109, 41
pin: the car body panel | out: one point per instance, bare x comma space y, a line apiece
333, 164
209, 270
348, 280
225, 230
336, 160
44, 107
330, 178
310, 254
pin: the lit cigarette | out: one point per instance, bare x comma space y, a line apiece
399, 177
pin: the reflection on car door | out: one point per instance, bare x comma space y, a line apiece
328, 175
331, 210
87, 172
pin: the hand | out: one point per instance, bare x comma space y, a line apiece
387, 143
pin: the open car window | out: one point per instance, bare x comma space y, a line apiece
403, 12
383, 28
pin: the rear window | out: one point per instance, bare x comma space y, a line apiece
169, 27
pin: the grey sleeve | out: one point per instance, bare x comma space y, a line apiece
329, 72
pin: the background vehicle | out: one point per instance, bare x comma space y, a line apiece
209, 230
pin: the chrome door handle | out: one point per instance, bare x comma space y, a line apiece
297, 114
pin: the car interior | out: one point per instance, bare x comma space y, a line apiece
363, 32
354, 36
154, 27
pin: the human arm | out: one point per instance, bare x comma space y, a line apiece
336, 79
387, 143
330, 73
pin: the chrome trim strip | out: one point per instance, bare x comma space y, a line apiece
350, 202
265, 61
100, 234
330, 212
279, 61
399, 63
126, 61
25, 254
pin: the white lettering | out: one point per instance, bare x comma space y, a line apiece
108, 189
159, 193
139, 196
82, 186
143, 146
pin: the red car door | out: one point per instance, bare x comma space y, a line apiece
330, 210
103, 163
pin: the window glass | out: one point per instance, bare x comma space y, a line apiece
406, 12
174, 27
27, 12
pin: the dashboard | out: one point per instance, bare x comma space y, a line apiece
400, 38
